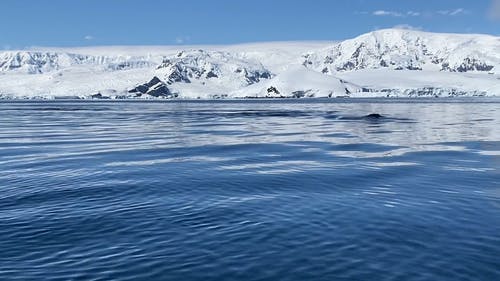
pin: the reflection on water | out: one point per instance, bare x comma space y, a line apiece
250, 190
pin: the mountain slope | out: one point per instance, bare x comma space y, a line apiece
298, 82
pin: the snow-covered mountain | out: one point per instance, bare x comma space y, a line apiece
401, 49
392, 62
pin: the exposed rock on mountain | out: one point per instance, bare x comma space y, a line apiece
154, 88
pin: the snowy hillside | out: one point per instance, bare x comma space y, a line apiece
298, 82
392, 62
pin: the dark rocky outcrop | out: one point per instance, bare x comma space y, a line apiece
256, 76
160, 91
211, 74
298, 94
273, 90
155, 87
100, 96
468, 64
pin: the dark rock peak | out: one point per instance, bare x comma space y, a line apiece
155, 87
273, 90
211, 74
154, 81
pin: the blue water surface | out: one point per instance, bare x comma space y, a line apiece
250, 190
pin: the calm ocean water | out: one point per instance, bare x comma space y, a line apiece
250, 190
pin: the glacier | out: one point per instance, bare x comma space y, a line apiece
383, 63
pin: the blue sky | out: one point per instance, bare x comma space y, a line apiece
26, 23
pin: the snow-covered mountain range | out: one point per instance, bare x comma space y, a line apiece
391, 62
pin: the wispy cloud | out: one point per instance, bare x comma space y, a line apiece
408, 27
495, 10
182, 39
88, 37
456, 12
405, 14
384, 13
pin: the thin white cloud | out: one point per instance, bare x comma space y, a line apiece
495, 10
88, 37
411, 13
384, 13
460, 11
456, 12
181, 39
